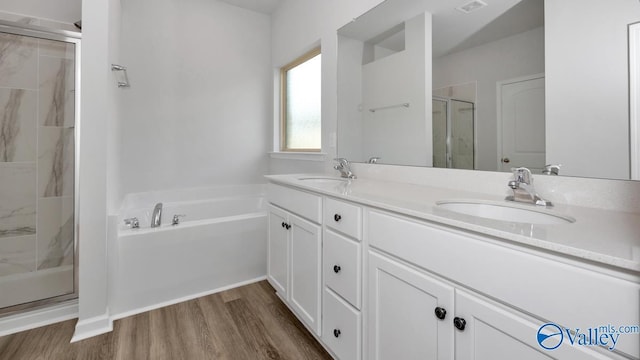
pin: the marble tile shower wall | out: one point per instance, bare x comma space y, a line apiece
36, 151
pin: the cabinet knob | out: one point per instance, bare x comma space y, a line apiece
336, 268
336, 332
441, 313
337, 217
459, 323
283, 224
287, 226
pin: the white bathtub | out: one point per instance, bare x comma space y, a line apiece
219, 244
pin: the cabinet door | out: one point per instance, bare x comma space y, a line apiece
304, 293
402, 321
493, 332
278, 249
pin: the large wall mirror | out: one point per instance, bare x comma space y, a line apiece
490, 85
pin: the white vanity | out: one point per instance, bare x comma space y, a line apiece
377, 270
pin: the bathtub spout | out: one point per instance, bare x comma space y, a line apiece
156, 218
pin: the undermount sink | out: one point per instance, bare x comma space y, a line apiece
323, 179
504, 212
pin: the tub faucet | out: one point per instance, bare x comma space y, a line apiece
523, 190
176, 219
344, 167
156, 217
132, 222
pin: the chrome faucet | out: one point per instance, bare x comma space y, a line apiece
344, 167
176, 219
523, 190
374, 160
156, 218
132, 222
551, 169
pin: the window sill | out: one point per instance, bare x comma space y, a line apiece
305, 156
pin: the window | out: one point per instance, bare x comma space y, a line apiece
300, 82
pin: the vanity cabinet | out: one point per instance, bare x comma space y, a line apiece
342, 272
414, 315
278, 251
496, 298
409, 312
494, 331
294, 253
389, 286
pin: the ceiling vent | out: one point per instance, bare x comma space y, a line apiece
471, 6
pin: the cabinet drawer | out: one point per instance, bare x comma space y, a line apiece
550, 289
299, 202
341, 329
343, 217
342, 266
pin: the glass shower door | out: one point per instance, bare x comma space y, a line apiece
453, 126
462, 135
37, 168
439, 127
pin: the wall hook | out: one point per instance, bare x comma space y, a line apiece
123, 80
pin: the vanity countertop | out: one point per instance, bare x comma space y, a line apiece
602, 236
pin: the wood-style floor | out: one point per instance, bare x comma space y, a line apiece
249, 322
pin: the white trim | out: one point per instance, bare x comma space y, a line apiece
499, 85
37, 318
634, 99
306, 156
91, 327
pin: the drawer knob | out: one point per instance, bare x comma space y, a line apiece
336, 268
459, 323
337, 217
441, 313
336, 332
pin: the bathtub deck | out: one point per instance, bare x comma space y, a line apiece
249, 322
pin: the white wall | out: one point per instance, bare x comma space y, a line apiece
508, 58
298, 25
349, 130
197, 112
587, 89
96, 113
400, 135
396, 135
68, 11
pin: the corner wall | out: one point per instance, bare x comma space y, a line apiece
97, 95
587, 81
196, 113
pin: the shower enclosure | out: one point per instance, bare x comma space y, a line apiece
38, 127
453, 133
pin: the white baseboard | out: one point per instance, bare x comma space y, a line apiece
36, 318
91, 327
184, 298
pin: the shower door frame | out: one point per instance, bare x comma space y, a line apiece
41, 32
449, 151
634, 99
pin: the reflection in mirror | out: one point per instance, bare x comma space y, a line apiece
513, 83
382, 78
453, 118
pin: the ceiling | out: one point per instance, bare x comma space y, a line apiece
262, 6
452, 30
